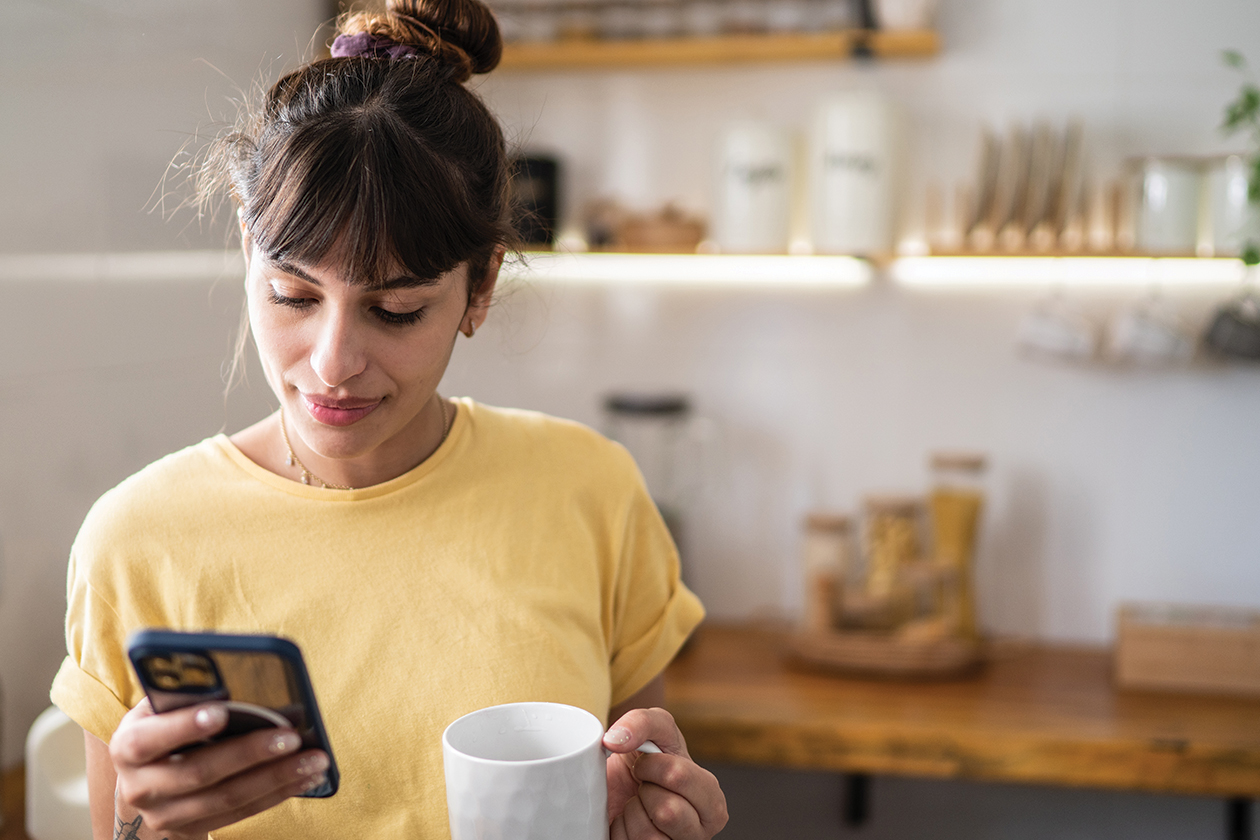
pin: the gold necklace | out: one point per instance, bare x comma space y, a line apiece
307, 476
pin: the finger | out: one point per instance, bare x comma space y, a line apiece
179, 775
638, 725
257, 807
687, 780
672, 815
639, 825
242, 796
144, 737
622, 785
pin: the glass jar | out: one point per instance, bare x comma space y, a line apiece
660, 19
787, 15
826, 556
745, 17
621, 20
955, 505
660, 433
892, 541
703, 18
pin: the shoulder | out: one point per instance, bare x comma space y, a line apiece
142, 503
549, 443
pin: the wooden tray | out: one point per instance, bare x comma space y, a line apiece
884, 654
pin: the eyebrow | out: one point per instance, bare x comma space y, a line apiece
406, 281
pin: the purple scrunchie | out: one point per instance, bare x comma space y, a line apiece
372, 46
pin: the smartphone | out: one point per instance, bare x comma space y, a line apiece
262, 679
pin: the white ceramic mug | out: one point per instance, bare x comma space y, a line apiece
527, 771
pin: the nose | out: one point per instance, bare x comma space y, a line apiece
339, 353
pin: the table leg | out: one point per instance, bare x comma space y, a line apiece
857, 799
1238, 818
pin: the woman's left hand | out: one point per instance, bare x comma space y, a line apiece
665, 795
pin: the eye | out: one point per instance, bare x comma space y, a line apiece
399, 318
291, 302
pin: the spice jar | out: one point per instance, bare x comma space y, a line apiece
826, 555
955, 504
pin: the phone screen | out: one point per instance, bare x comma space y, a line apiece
260, 688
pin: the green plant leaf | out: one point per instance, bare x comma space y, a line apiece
1233, 58
1243, 111
1253, 180
1251, 254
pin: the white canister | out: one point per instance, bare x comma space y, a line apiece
853, 169
905, 14
1169, 195
752, 208
1233, 220
703, 18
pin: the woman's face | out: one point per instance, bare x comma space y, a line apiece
354, 366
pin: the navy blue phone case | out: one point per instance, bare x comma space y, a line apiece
263, 679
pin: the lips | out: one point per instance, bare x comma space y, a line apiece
332, 411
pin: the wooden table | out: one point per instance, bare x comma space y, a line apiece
1034, 714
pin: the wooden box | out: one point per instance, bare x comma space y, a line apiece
1196, 649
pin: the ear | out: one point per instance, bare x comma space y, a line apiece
480, 302
482, 299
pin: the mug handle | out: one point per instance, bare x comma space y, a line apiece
645, 747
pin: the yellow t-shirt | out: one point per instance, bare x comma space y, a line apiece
524, 560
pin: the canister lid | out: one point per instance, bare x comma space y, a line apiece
969, 461
828, 522
658, 404
904, 505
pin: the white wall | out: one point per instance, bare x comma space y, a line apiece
1107, 484
96, 99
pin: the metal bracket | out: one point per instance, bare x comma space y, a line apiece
857, 799
1238, 818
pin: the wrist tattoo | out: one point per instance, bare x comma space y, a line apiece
127, 830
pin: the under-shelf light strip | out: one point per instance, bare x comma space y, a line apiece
698, 270
1101, 272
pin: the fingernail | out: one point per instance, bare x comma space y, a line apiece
284, 742
617, 735
211, 717
316, 782
317, 763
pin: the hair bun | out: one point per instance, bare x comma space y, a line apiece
459, 33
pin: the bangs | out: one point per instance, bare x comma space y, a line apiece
358, 188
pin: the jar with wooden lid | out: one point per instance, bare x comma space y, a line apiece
827, 558
955, 505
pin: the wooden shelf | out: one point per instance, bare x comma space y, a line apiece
726, 49
1034, 714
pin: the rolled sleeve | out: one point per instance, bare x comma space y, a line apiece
86, 700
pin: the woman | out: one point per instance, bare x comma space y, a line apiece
430, 556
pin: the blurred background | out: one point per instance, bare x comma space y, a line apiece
1108, 481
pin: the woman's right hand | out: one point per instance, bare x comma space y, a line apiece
186, 795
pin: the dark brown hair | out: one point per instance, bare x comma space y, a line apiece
369, 160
